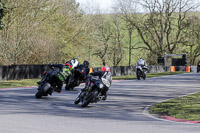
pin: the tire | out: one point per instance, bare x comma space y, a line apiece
89, 99
43, 90
77, 101
67, 87
138, 75
144, 76
39, 94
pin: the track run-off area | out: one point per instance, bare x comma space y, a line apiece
124, 111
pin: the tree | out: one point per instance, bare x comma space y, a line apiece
39, 31
162, 27
104, 32
2, 12
192, 39
116, 51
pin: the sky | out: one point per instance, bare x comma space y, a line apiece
104, 5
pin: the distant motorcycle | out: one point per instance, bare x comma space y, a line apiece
141, 72
93, 94
48, 83
76, 78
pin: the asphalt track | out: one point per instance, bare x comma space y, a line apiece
125, 110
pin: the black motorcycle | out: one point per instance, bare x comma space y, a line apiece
93, 94
141, 72
77, 77
48, 83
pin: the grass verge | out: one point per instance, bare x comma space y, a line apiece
18, 83
33, 82
187, 107
149, 75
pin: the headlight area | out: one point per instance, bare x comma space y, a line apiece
100, 85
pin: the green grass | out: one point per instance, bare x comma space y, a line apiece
187, 107
18, 83
149, 75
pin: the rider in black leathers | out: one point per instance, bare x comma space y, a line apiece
99, 74
84, 67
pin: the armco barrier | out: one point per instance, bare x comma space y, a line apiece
16, 72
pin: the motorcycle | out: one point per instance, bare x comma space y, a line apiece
76, 78
48, 83
96, 86
141, 72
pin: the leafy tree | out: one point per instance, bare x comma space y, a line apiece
2, 12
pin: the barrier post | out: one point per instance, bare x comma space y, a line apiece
172, 68
187, 68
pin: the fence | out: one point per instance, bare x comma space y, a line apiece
16, 72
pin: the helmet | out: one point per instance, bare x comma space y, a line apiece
105, 68
68, 63
86, 63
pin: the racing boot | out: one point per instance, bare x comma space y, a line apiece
58, 89
86, 87
87, 83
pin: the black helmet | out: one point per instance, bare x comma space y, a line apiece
86, 63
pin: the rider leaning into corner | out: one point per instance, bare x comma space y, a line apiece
104, 70
64, 72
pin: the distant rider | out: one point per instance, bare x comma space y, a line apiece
143, 64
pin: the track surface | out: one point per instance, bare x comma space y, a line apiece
125, 110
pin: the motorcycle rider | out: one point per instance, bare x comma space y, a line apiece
104, 69
142, 63
84, 67
64, 72
87, 69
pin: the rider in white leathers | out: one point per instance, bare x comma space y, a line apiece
143, 64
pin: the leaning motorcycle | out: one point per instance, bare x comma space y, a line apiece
141, 72
76, 78
93, 94
48, 83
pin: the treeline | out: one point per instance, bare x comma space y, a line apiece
44, 31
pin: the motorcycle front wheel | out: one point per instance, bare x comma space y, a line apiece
39, 94
138, 75
77, 101
89, 98
144, 76
42, 90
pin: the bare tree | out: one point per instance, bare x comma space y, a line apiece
104, 33
162, 27
116, 51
